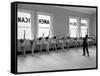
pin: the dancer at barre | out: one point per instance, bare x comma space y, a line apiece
53, 42
23, 44
46, 41
37, 42
62, 43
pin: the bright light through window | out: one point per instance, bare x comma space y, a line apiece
21, 33
84, 24
24, 25
44, 24
73, 27
45, 31
23, 19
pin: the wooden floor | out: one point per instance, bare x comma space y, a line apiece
67, 59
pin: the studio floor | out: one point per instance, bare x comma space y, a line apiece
61, 60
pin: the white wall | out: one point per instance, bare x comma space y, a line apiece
93, 25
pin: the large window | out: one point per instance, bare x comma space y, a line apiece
44, 25
84, 27
24, 25
78, 27
73, 23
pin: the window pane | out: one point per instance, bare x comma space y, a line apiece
73, 27
21, 33
72, 33
83, 21
84, 24
24, 19
45, 31
73, 20
44, 24
44, 21
83, 33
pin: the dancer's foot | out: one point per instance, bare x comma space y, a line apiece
88, 55
83, 55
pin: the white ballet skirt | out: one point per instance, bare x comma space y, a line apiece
60, 41
53, 41
39, 42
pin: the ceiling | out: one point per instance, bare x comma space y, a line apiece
81, 9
